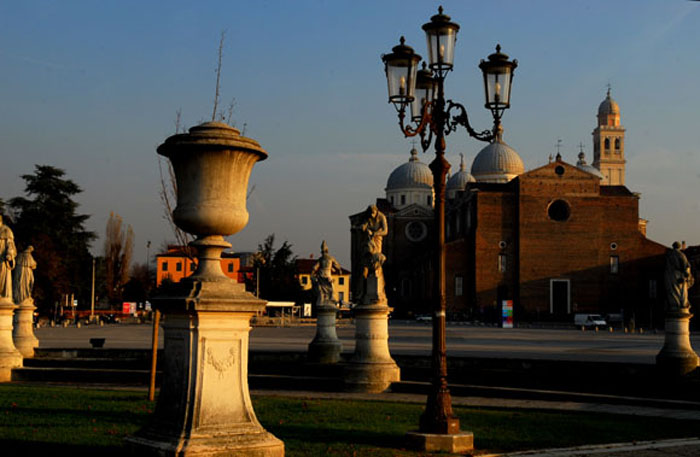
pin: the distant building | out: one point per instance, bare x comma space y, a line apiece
556, 240
341, 280
175, 265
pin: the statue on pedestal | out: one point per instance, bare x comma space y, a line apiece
325, 347
677, 356
373, 228
23, 276
677, 279
8, 252
321, 276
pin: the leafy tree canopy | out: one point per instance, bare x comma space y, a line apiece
47, 219
277, 269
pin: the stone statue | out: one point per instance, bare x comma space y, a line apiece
321, 276
373, 228
23, 276
677, 279
7, 260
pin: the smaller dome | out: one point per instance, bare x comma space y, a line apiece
459, 180
608, 106
412, 175
582, 165
497, 162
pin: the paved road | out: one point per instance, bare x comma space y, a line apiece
409, 338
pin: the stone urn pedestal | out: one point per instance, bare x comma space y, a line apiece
204, 406
371, 368
325, 347
677, 357
23, 329
10, 357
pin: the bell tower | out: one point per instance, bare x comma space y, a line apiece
609, 143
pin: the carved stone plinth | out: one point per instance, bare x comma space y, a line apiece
204, 406
371, 368
23, 331
677, 357
458, 443
10, 357
325, 347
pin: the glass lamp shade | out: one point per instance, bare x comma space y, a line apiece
425, 88
400, 67
498, 79
441, 35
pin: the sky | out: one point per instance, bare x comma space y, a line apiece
94, 87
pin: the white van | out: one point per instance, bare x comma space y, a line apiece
589, 320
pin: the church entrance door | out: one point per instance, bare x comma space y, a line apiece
559, 297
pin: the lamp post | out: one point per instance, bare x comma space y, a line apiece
433, 116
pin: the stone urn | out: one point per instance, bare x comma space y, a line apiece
204, 406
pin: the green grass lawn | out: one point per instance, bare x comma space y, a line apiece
65, 420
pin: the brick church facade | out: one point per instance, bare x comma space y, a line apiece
556, 240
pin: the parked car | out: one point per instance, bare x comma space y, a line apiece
589, 320
424, 318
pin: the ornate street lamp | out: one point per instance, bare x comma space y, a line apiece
432, 115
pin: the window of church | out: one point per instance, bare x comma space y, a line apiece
178, 266
403, 199
559, 170
341, 281
164, 266
391, 199
230, 267
430, 200
617, 145
416, 231
459, 286
559, 211
607, 144
614, 264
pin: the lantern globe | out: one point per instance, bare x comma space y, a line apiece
441, 35
424, 92
401, 66
498, 79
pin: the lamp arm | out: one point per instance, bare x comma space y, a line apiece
461, 118
420, 129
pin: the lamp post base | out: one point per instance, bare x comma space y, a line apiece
677, 357
458, 443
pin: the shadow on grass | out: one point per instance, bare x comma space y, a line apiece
329, 435
45, 448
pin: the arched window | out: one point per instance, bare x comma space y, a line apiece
617, 144
607, 144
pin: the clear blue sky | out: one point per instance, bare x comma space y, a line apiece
93, 87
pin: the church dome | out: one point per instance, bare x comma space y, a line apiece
411, 175
458, 181
582, 165
608, 106
497, 162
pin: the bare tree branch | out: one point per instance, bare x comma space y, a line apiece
218, 75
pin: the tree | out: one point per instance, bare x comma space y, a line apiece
47, 219
118, 249
277, 277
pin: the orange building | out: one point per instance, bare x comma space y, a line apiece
175, 265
